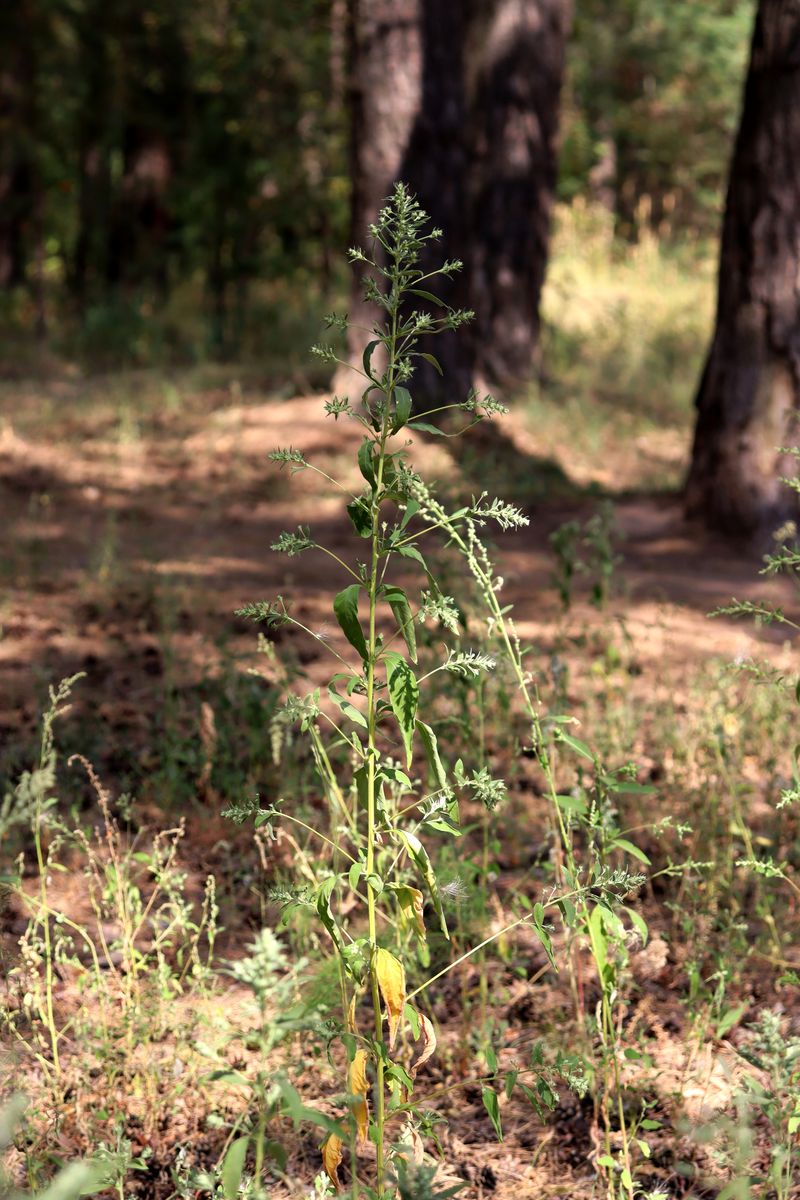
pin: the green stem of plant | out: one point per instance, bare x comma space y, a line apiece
374, 581
48, 947
262, 1129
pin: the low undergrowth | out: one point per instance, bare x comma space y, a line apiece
499, 917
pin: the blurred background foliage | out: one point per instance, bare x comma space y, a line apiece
175, 177
651, 107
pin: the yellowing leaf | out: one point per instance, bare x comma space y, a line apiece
411, 1138
428, 1035
331, 1157
357, 1087
411, 902
392, 983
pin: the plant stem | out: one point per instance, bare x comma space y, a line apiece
45, 918
374, 582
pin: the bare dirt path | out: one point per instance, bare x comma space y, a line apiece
132, 529
99, 522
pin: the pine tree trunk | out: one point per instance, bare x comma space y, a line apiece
750, 388
385, 78
459, 98
519, 50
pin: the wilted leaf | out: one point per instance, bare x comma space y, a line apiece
411, 901
392, 983
331, 1158
428, 1034
419, 855
357, 1087
410, 1138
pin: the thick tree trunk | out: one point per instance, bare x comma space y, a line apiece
18, 124
518, 51
385, 80
436, 166
94, 153
748, 396
459, 98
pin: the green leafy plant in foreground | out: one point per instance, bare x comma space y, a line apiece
773, 1093
376, 872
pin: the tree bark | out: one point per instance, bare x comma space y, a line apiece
385, 78
18, 126
748, 396
518, 47
459, 99
94, 145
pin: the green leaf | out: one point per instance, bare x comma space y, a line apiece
233, 1166
400, 1075
360, 515
597, 936
426, 427
431, 746
639, 924
277, 1153
412, 508
235, 1078
433, 360
325, 912
492, 1106
629, 848
572, 804
544, 936
404, 697
626, 787
346, 608
354, 874
414, 553
412, 1016
398, 602
365, 461
729, 1019
402, 408
433, 300
348, 708
78, 1179
369, 350
297, 1111
575, 744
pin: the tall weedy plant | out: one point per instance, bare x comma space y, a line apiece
377, 843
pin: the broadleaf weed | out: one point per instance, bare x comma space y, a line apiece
378, 865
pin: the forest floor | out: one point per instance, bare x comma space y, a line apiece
138, 515
138, 509
133, 521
